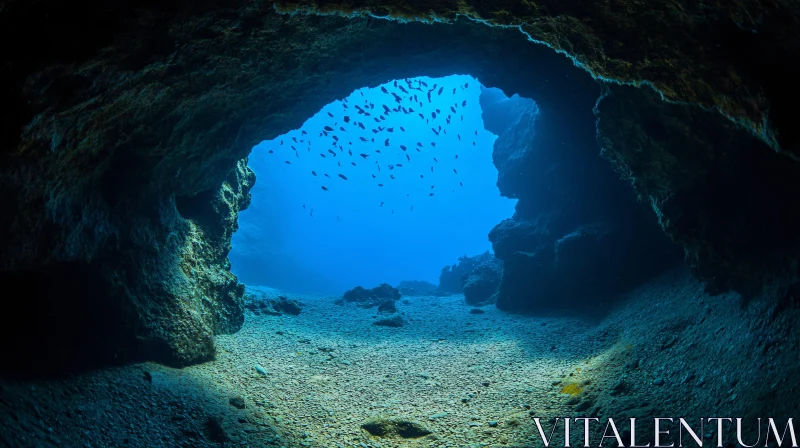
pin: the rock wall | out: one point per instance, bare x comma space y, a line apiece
578, 237
717, 190
126, 122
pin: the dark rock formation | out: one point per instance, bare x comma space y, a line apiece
121, 145
415, 287
578, 235
261, 303
394, 321
387, 306
376, 296
482, 284
394, 427
452, 278
715, 189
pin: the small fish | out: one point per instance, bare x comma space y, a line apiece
325, 188
353, 163
431, 169
383, 89
349, 152
421, 176
430, 194
402, 129
386, 143
364, 155
346, 119
454, 170
433, 115
453, 109
373, 176
326, 175
399, 165
456, 156
331, 152
322, 155
441, 89
419, 144
459, 136
303, 132
403, 147
389, 129
392, 176
433, 144
473, 143
434, 159
412, 208
314, 173
343, 176
380, 185
408, 157
461, 184
271, 151
381, 203
288, 162
464, 103
328, 128
330, 114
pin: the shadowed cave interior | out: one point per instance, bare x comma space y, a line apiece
649, 237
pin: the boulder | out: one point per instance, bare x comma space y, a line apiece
368, 298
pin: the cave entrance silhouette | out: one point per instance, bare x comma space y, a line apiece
391, 183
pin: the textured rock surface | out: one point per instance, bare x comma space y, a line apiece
719, 192
453, 277
481, 285
373, 296
578, 235
260, 302
125, 124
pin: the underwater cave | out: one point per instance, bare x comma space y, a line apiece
617, 237
389, 192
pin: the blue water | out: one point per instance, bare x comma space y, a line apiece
299, 237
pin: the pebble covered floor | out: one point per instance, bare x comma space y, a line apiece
469, 378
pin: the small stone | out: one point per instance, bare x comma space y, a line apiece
658, 382
237, 402
493, 423
261, 369
485, 383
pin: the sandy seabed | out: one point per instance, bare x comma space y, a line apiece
470, 379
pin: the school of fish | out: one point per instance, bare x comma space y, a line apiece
390, 140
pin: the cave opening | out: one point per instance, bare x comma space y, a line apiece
388, 185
